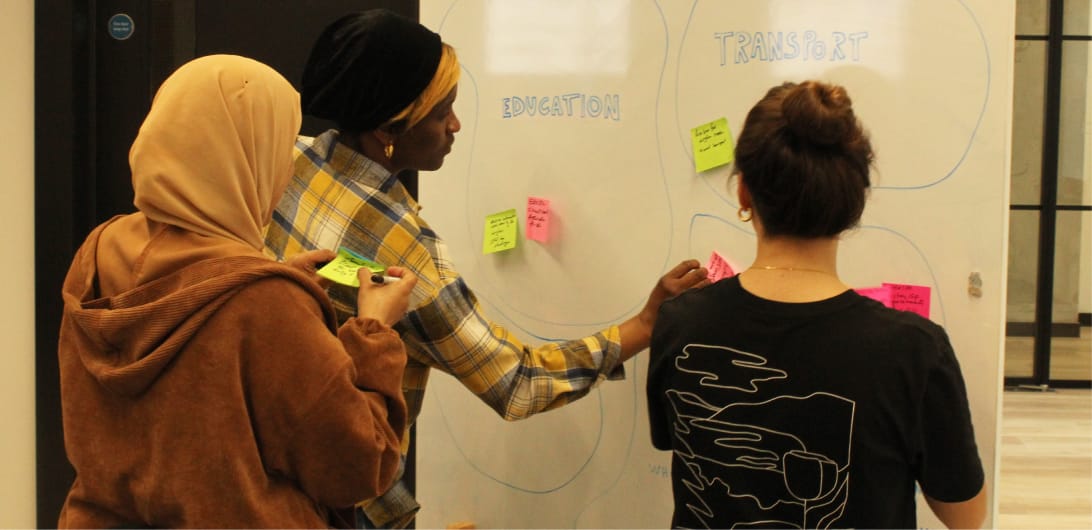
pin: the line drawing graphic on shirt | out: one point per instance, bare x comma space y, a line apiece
796, 446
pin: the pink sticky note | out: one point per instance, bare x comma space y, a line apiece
913, 298
880, 294
718, 267
538, 219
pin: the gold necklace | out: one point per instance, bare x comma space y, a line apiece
791, 269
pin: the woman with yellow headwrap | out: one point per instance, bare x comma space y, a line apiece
202, 383
389, 84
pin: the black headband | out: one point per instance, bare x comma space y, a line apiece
367, 67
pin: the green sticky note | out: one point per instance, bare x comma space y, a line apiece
500, 231
713, 145
342, 269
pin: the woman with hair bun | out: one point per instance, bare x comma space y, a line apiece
787, 399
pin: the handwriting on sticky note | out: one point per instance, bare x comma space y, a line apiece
712, 143
538, 219
500, 231
880, 294
718, 267
913, 298
342, 269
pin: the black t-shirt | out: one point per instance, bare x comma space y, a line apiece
818, 415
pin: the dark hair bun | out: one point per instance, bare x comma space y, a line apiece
820, 114
805, 159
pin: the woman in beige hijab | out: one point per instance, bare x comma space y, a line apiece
203, 384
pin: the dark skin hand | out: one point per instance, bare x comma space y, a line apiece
386, 302
636, 332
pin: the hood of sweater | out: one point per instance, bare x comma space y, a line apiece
128, 339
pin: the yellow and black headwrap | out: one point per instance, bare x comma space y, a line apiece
374, 67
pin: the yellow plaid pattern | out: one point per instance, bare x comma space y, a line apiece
339, 198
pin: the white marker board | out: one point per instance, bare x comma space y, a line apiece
589, 105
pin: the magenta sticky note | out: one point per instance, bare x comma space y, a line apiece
718, 267
913, 298
538, 219
879, 294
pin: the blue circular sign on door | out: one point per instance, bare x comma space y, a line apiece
120, 26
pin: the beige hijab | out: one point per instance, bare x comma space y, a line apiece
215, 151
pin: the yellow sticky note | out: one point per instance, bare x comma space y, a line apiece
500, 231
342, 269
713, 145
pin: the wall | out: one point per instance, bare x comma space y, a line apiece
624, 82
17, 486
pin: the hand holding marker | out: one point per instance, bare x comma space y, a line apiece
382, 278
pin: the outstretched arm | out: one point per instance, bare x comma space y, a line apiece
637, 331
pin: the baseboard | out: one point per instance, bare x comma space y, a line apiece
1057, 329
1085, 319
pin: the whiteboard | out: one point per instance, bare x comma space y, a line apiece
590, 105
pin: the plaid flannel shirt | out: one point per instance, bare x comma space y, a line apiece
340, 198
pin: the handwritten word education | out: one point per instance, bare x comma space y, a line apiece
574, 105
774, 46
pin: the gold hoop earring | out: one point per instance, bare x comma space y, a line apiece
744, 214
389, 150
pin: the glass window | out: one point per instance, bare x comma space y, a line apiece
1020, 356
1032, 17
1029, 86
1074, 155
1023, 267
1070, 357
1069, 343
1074, 17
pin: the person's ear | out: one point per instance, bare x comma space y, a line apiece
385, 139
384, 135
743, 194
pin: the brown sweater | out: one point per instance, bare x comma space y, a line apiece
220, 395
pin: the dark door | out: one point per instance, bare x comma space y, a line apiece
98, 65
